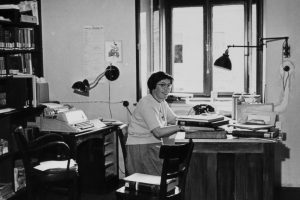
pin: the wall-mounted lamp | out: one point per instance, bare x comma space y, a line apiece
225, 62
83, 87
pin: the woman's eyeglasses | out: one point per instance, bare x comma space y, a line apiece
165, 85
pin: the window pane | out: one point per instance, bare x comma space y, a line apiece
156, 39
228, 29
187, 49
145, 59
252, 70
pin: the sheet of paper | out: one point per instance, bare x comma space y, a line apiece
54, 164
5, 110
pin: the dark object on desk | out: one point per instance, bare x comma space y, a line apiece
41, 149
215, 124
207, 134
175, 166
253, 133
203, 108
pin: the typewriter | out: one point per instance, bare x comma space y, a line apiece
63, 119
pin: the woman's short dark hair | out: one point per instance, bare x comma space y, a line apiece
156, 77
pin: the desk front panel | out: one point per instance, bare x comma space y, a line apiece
96, 153
231, 171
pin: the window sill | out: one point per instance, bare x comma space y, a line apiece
222, 105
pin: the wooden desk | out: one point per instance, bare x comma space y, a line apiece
96, 153
230, 169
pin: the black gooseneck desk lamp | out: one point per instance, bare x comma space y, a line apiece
224, 60
83, 87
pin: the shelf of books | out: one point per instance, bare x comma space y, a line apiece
20, 38
20, 64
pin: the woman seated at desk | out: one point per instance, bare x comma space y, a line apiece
152, 121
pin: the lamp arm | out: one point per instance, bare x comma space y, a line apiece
272, 39
250, 46
96, 81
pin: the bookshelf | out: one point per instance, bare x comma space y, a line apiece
20, 38
20, 63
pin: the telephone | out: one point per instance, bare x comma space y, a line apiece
203, 108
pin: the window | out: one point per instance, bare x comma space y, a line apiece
193, 34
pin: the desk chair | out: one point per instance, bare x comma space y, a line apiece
34, 153
176, 159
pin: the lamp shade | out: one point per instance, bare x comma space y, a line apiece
81, 87
224, 61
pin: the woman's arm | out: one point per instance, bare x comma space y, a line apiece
166, 131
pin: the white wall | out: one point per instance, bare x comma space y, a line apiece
63, 49
282, 19
63, 23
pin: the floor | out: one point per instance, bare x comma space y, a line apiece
84, 196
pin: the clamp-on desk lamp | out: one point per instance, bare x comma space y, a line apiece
83, 87
225, 62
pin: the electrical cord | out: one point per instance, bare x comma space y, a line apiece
109, 102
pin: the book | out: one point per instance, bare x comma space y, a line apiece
147, 183
191, 123
207, 134
201, 118
253, 126
28, 19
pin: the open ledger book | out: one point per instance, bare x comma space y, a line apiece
201, 118
147, 183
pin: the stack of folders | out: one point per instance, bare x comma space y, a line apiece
147, 183
203, 120
256, 131
204, 126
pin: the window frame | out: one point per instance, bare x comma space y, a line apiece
165, 53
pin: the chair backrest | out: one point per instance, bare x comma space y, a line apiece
122, 135
25, 149
176, 160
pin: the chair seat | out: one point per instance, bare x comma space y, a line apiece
123, 193
54, 175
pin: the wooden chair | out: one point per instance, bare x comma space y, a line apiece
176, 159
56, 178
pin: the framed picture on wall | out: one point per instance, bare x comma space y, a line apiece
113, 51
